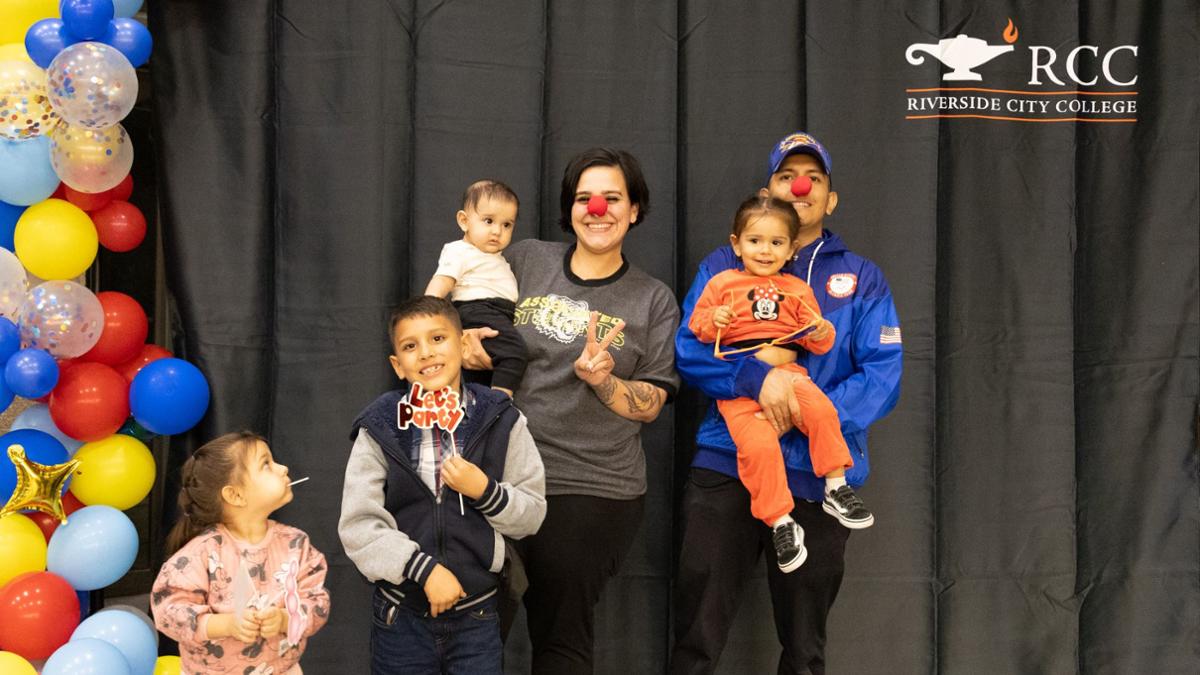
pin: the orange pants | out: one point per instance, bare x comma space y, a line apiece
760, 457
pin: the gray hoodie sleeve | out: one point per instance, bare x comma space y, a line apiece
516, 505
367, 530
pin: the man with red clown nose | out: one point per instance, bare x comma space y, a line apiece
861, 377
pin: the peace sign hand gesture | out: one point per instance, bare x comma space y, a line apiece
595, 364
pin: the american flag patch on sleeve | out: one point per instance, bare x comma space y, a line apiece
889, 335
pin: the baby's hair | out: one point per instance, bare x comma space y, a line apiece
211, 467
756, 207
422, 305
489, 189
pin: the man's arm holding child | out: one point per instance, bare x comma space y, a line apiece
516, 505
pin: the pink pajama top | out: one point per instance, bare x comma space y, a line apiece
216, 573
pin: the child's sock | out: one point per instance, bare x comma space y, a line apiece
834, 482
785, 518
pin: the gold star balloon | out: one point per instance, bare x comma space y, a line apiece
39, 486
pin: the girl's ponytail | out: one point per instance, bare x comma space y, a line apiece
214, 465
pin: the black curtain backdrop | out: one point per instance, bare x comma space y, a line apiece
1037, 487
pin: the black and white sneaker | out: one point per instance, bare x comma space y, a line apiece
789, 545
848, 508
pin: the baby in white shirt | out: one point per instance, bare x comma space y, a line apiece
480, 282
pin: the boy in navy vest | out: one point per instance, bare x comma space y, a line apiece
439, 474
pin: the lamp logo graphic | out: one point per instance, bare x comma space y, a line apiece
962, 53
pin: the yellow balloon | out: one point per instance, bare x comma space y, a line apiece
55, 239
117, 471
16, 16
12, 664
14, 51
22, 547
168, 665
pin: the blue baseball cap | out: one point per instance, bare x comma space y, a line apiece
794, 143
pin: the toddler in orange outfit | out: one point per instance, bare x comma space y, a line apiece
760, 312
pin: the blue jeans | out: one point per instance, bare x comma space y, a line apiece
406, 641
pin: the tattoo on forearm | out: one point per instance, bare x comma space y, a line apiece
642, 396
607, 390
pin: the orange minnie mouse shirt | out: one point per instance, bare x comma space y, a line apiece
764, 308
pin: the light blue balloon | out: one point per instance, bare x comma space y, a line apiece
128, 633
86, 656
26, 176
37, 416
94, 548
126, 8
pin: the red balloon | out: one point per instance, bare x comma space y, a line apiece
48, 523
124, 189
60, 192
149, 353
38, 613
125, 329
88, 201
71, 503
91, 401
120, 225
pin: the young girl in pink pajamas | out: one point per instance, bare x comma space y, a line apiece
242, 593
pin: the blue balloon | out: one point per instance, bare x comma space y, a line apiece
37, 416
131, 39
94, 548
168, 396
6, 398
125, 631
45, 39
9, 215
26, 176
10, 339
126, 8
31, 373
86, 19
86, 656
39, 446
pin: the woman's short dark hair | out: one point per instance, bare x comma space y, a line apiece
635, 182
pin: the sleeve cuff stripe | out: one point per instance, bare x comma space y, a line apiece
417, 566
487, 501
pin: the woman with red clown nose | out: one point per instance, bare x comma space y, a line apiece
860, 374
601, 365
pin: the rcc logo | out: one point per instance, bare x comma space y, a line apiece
962, 53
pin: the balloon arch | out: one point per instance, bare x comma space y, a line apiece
76, 458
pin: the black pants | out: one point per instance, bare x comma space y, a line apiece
507, 349
580, 545
721, 544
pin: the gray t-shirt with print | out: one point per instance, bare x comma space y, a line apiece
588, 449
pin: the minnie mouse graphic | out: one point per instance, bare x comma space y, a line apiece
765, 301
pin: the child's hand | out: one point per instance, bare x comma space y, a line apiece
245, 628
442, 589
464, 477
821, 332
273, 621
722, 316
248, 627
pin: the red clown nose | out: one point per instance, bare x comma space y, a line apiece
801, 186
597, 205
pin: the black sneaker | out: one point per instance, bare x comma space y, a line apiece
789, 546
848, 508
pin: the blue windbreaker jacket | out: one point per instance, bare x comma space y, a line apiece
861, 374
